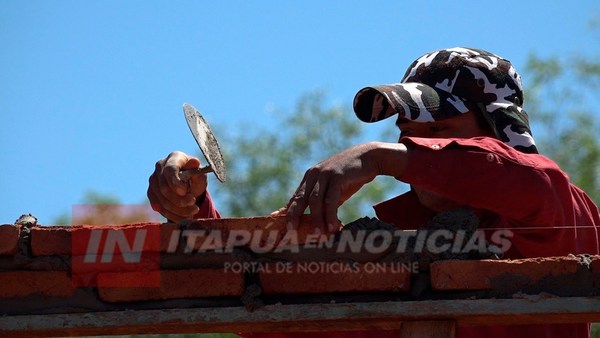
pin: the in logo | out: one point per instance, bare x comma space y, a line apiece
114, 256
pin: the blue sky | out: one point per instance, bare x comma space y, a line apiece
91, 91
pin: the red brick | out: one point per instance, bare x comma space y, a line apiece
167, 232
9, 238
42, 283
499, 274
198, 283
51, 240
333, 277
264, 232
57, 240
85, 274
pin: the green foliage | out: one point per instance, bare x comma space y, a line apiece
266, 166
62, 219
562, 103
93, 197
99, 208
595, 332
90, 198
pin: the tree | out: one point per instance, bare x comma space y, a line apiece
562, 101
266, 166
101, 209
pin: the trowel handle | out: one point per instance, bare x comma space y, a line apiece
185, 175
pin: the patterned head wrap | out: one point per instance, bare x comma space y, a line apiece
450, 82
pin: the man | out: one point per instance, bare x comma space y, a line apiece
465, 141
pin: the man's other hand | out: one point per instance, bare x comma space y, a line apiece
331, 182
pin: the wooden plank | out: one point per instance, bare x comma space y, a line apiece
307, 317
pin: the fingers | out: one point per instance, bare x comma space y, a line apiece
328, 184
173, 164
324, 202
168, 194
321, 194
279, 212
299, 202
315, 203
170, 205
169, 211
169, 188
332, 203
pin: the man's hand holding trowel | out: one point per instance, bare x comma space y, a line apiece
177, 187
173, 197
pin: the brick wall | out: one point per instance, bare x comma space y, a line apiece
213, 263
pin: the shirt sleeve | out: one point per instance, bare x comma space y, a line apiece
207, 207
485, 173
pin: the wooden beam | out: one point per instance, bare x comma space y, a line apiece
307, 317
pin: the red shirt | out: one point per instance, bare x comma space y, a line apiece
528, 192
530, 195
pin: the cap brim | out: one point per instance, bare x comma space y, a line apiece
414, 101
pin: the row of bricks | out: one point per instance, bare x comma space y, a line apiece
202, 283
297, 279
74, 240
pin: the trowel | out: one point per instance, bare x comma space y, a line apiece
207, 143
